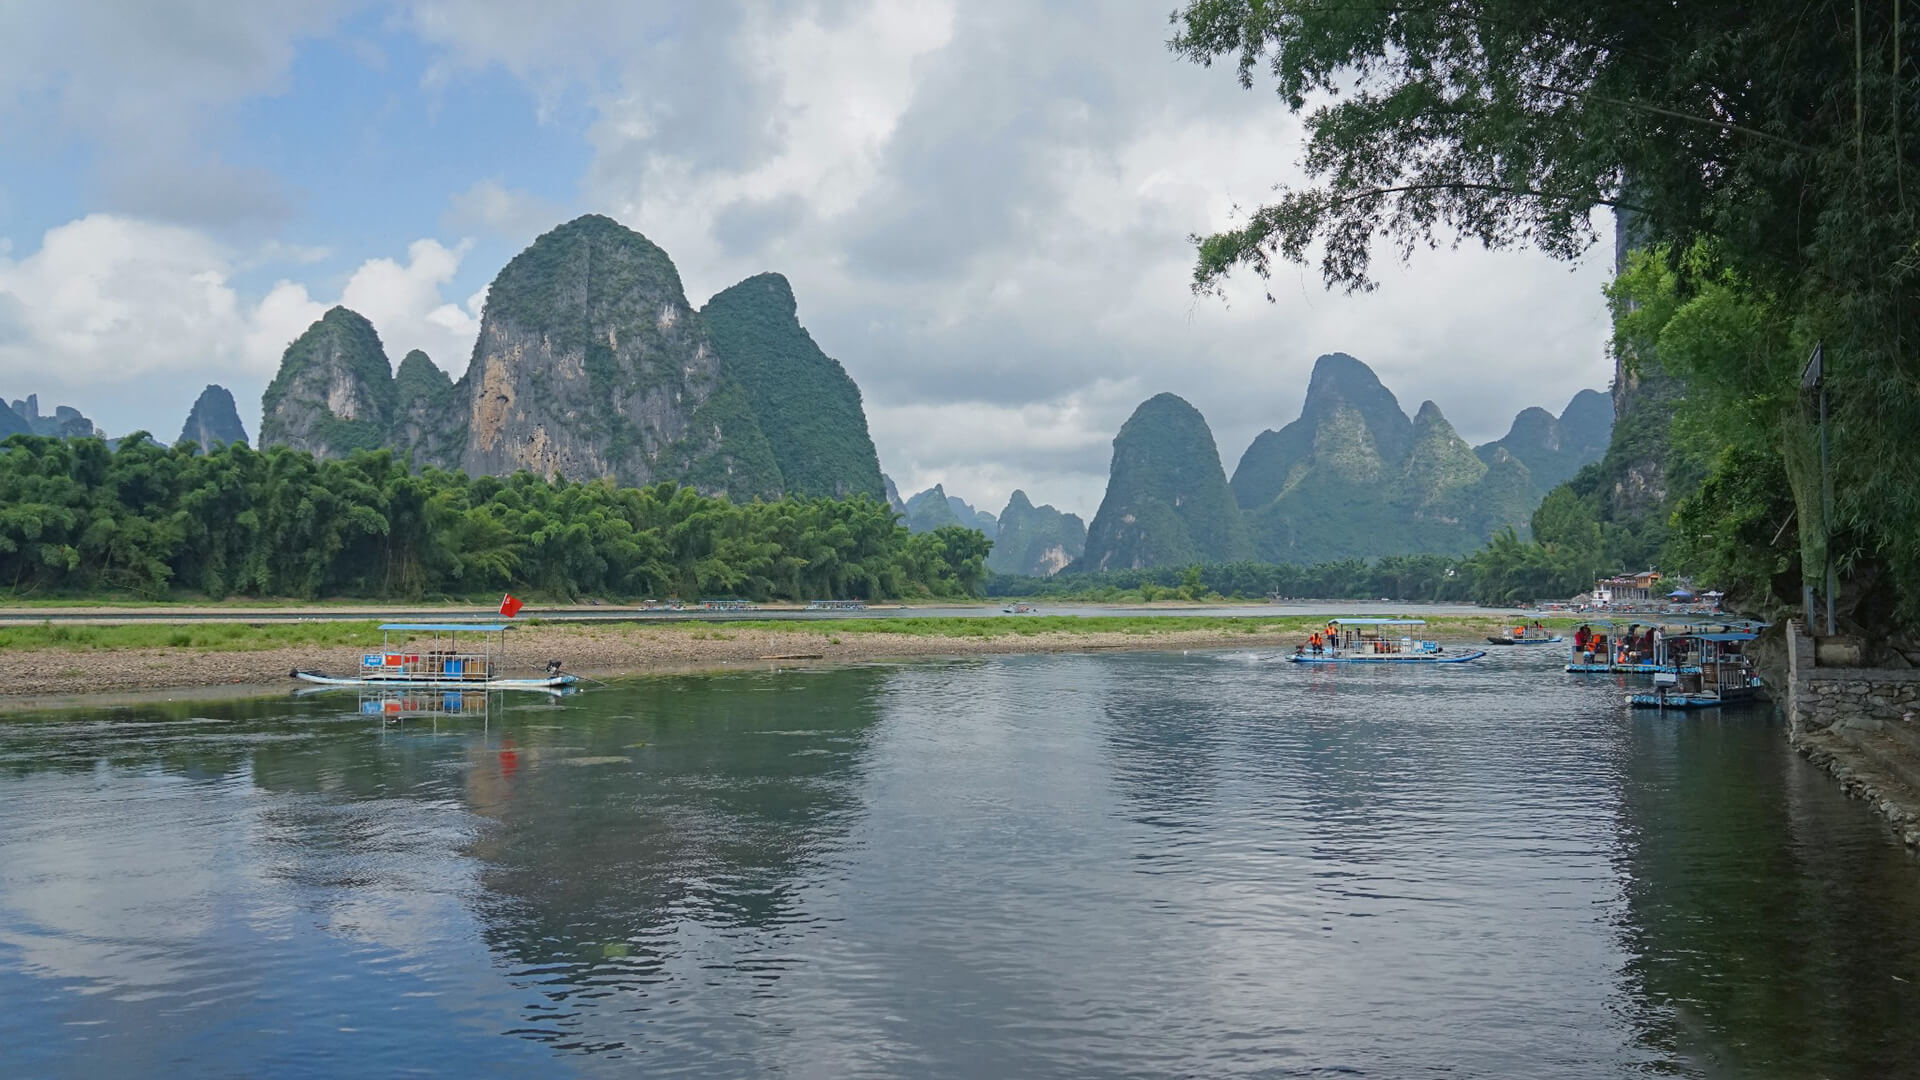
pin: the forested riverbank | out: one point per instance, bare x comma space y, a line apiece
78, 519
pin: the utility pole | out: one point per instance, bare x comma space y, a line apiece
1813, 378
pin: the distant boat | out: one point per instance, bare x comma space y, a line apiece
836, 605
449, 662
1525, 635
1020, 609
1371, 641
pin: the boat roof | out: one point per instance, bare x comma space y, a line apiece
1736, 635
446, 627
1379, 622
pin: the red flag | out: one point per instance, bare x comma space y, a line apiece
509, 606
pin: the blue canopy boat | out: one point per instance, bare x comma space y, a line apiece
448, 662
1610, 651
1719, 673
1371, 641
1607, 653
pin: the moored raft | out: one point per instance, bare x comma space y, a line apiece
448, 662
1722, 674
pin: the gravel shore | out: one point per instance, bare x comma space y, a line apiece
602, 651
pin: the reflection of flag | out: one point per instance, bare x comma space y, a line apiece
509, 606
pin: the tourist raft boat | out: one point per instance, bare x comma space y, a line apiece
451, 659
1525, 635
1611, 651
1713, 670
1378, 641
1608, 650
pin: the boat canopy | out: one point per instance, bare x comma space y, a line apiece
1378, 622
1737, 635
445, 628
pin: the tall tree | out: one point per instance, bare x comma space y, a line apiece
1761, 145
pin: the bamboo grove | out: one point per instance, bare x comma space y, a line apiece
141, 519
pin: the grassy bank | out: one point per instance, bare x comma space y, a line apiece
240, 636
198, 636
68, 659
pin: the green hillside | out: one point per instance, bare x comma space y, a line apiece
1167, 500
803, 400
1035, 541
1354, 478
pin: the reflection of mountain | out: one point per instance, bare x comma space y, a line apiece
1723, 932
614, 833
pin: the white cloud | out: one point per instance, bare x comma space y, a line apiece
403, 302
109, 307
108, 296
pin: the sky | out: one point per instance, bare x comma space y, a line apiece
984, 207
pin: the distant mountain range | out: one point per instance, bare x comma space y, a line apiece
1028, 540
934, 508
22, 417
1354, 477
591, 363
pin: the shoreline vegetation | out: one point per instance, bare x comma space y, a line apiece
60, 660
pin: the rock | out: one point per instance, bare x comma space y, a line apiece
214, 421
1035, 541
334, 391
590, 363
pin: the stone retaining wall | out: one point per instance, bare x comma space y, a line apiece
1860, 724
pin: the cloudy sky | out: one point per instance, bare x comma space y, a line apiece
983, 207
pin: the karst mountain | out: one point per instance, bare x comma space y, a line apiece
214, 421
1167, 500
1036, 541
934, 508
591, 363
1353, 476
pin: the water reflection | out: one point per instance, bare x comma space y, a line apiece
620, 870
1118, 865
1770, 923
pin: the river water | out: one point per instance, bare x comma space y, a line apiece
1140, 864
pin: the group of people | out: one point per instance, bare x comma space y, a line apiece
1321, 642
1631, 647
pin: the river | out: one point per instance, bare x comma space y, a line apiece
1083, 865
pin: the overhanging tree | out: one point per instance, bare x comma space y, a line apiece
1761, 144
